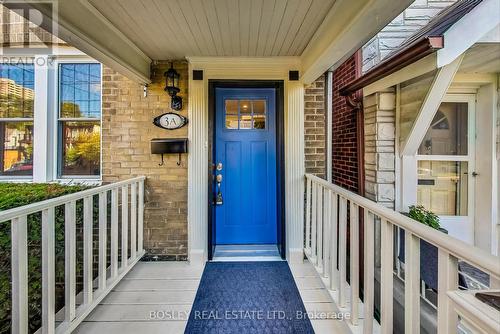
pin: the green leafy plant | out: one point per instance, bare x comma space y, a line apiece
424, 216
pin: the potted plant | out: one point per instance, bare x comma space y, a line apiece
428, 252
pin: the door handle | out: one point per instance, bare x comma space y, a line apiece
218, 199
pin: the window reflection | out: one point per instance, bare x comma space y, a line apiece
17, 148
81, 142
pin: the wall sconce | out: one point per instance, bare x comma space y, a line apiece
172, 87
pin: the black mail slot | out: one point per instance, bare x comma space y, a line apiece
165, 146
426, 182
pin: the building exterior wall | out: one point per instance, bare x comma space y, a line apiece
127, 130
315, 128
417, 15
345, 162
379, 126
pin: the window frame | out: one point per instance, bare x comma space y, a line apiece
57, 120
470, 99
22, 178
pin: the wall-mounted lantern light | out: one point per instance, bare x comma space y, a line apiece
172, 87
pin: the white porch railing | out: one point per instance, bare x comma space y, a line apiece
131, 251
328, 208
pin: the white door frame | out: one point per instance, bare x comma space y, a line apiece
461, 227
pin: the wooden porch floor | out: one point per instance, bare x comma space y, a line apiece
170, 288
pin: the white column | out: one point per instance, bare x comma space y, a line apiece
43, 116
197, 170
294, 170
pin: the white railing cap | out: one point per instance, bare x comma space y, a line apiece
61, 200
473, 255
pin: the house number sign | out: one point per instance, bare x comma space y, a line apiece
170, 121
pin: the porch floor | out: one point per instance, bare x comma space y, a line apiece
156, 297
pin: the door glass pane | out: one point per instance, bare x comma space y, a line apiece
447, 134
259, 121
17, 148
81, 148
443, 187
245, 107
232, 107
231, 121
259, 107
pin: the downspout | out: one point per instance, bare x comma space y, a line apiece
329, 124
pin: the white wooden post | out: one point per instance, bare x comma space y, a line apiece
354, 262
308, 216
19, 245
103, 239
124, 227
386, 281
369, 271
48, 271
334, 278
70, 261
319, 217
87, 250
133, 221
327, 223
140, 218
447, 281
114, 233
412, 283
314, 221
343, 251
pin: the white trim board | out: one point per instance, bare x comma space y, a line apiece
273, 68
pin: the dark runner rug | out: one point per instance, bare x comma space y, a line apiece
248, 297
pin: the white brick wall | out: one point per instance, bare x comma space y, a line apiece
418, 14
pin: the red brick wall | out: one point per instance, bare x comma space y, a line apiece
344, 133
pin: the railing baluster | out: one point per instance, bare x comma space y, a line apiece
386, 281
314, 221
48, 271
447, 281
354, 262
308, 216
19, 246
140, 218
70, 261
342, 251
87, 250
114, 233
319, 217
103, 239
412, 283
369, 271
133, 221
334, 278
124, 227
327, 223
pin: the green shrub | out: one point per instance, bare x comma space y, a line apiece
420, 214
18, 194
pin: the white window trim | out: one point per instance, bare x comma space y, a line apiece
46, 118
19, 178
55, 147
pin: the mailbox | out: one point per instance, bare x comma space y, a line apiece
169, 146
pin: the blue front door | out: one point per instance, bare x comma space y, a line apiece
245, 159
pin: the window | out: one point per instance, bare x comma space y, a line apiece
16, 119
245, 114
79, 119
445, 160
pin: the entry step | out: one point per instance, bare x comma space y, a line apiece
246, 253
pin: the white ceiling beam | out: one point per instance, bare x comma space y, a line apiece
432, 101
81, 25
347, 27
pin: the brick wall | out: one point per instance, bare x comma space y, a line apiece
344, 132
315, 127
126, 133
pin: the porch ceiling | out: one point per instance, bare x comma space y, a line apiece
128, 34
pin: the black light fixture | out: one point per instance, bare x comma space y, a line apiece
172, 87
